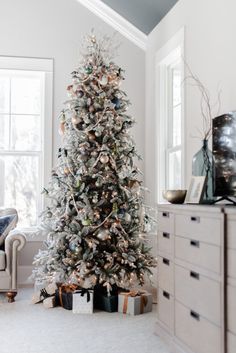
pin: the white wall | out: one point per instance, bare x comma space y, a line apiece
210, 51
54, 29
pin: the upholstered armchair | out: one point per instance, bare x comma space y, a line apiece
11, 241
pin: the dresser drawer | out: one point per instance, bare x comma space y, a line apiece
165, 308
231, 308
165, 242
201, 228
165, 221
198, 253
197, 333
231, 254
165, 274
231, 234
199, 293
231, 343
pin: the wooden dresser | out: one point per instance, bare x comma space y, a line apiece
192, 278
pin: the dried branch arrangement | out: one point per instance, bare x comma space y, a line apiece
208, 110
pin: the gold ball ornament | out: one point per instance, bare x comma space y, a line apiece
104, 159
66, 170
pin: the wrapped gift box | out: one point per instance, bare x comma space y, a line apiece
64, 296
103, 301
42, 292
49, 302
83, 301
134, 302
106, 303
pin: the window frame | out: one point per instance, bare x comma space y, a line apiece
168, 55
44, 66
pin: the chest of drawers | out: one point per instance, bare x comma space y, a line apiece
231, 278
191, 278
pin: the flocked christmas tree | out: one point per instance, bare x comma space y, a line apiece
96, 218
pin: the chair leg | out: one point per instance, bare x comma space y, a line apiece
11, 296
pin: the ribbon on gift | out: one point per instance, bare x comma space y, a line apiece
66, 288
44, 294
69, 287
84, 291
139, 293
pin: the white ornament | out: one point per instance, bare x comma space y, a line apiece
104, 159
103, 80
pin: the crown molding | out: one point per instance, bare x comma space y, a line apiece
116, 21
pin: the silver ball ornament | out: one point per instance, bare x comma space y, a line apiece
103, 234
49, 214
127, 218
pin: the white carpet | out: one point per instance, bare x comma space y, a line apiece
28, 328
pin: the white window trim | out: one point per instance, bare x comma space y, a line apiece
44, 65
166, 55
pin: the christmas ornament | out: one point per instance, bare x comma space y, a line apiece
103, 234
91, 136
86, 222
80, 93
89, 69
75, 120
66, 170
116, 102
49, 214
127, 218
104, 159
103, 80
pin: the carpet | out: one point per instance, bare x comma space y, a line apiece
28, 328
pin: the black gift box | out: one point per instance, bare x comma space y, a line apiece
104, 302
64, 299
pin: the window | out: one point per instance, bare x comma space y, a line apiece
174, 138
25, 102
170, 113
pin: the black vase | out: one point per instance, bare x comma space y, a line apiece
202, 165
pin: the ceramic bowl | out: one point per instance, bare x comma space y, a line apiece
174, 196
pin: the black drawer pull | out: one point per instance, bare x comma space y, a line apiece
195, 219
166, 261
195, 315
195, 243
166, 295
194, 275
165, 214
166, 235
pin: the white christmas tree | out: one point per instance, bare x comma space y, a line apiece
96, 218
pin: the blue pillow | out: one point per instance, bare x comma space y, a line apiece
5, 222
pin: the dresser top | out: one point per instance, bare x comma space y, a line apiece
195, 208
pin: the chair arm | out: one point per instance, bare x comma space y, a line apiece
14, 238
14, 242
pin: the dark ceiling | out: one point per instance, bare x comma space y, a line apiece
143, 14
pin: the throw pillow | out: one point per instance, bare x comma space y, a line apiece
6, 224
